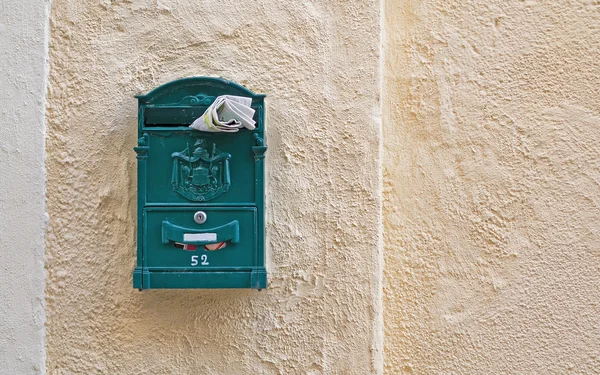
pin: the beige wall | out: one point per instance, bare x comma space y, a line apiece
491, 179
492, 187
318, 63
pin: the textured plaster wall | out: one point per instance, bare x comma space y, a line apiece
492, 187
23, 75
318, 63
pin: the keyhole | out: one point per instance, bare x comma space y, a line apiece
200, 217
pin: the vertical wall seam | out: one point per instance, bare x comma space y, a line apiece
378, 323
46, 77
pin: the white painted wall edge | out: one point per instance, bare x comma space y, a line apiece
24, 29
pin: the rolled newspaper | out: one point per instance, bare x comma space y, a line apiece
228, 114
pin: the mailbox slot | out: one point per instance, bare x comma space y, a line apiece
163, 116
171, 116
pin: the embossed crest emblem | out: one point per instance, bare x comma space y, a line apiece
199, 174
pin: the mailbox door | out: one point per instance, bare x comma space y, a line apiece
190, 167
175, 241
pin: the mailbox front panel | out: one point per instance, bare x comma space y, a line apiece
169, 231
189, 167
200, 194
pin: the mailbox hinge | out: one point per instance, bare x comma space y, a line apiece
142, 147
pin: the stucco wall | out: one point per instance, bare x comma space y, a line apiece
491, 187
318, 64
23, 75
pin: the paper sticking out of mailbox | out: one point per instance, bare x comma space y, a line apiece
228, 114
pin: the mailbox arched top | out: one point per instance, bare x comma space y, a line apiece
196, 91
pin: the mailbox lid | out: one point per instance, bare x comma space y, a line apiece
167, 229
195, 91
190, 167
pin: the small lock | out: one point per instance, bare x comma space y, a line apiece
200, 217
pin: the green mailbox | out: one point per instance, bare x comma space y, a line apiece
200, 194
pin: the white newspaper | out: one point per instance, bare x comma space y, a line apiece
228, 113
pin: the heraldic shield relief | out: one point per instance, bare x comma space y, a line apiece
199, 174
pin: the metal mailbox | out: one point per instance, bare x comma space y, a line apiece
198, 191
